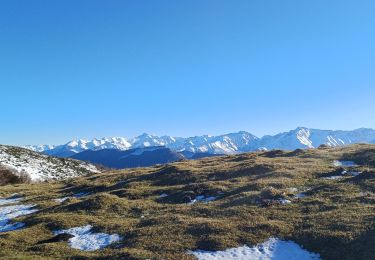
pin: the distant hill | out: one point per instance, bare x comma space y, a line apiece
40, 167
139, 157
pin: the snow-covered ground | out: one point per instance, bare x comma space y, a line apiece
351, 173
61, 200
300, 195
344, 164
344, 172
284, 201
42, 167
84, 239
202, 198
272, 249
14, 198
10, 212
336, 177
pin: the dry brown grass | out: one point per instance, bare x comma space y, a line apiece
335, 219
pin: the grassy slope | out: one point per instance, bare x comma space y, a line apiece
335, 219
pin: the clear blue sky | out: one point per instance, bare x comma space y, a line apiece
88, 68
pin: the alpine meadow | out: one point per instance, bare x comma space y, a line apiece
198, 130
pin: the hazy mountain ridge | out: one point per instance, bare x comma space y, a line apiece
232, 143
139, 157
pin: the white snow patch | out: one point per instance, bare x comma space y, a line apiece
272, 249
343, 174
351, 173
344, 163
300, 195
284, 201
332, 142
84, 239
202, 198
303, 136
333, 177
163, 195
10, 212
61, 200
14, 198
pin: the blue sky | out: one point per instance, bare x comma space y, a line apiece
87, 68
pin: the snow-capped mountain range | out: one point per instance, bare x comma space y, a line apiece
232, 143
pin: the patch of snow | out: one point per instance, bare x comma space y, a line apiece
351, 173
202, 198
284, 201
300, 195
343, 174
333, 177
273, 249
303, 136
84, 239
344, 163
10, 212
334, 142
273, 202
14, 198
61, 200
163, 195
